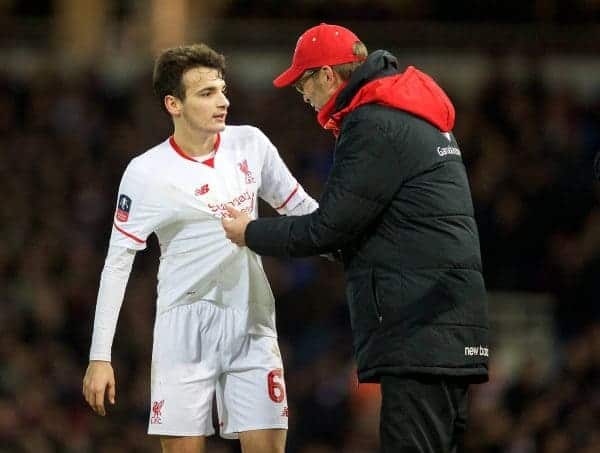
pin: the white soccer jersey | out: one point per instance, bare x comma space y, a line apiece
182, 200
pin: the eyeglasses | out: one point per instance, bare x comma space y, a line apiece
299, 84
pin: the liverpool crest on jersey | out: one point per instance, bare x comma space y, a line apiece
243, 166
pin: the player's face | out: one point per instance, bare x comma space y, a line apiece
205, 105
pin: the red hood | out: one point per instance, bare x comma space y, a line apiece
412, 91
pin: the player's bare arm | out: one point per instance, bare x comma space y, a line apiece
99, 384
235, 225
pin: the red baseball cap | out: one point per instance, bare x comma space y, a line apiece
319, 46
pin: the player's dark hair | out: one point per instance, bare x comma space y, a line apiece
171, 64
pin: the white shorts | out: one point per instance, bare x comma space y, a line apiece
203, 348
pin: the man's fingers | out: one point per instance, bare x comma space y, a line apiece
94, 395
112, 390
98, 400
98, 385
235, 225
234, 213
86, 395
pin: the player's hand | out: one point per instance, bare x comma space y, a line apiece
99, 377
235, 225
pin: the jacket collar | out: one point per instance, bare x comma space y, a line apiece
324, 117
378, 81
378, 64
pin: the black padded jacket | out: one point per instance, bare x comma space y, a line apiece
397, 204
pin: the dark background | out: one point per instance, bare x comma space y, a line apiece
76, 105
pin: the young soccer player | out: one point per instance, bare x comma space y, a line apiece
215, 320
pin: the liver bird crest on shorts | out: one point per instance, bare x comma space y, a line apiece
157, 412
243, 165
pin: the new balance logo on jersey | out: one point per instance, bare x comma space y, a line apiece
156, 418
202, 190
285, 412
123, 208
243, 165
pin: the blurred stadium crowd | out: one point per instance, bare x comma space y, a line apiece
66, 142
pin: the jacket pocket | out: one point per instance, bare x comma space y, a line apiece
365, 311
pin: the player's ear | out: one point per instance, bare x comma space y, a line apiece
173, 105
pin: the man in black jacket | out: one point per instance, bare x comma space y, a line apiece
397, 205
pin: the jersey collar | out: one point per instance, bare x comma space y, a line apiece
210, 161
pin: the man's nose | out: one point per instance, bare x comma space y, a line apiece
223, 102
